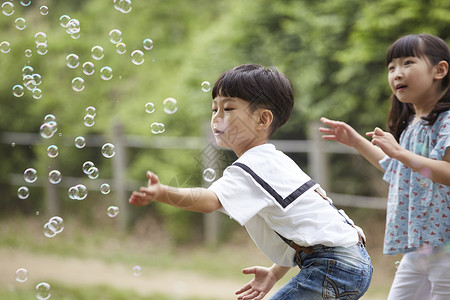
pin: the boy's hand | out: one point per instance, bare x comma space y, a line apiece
147, 195
340, 132
259, 286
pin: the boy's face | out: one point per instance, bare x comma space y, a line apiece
235, 125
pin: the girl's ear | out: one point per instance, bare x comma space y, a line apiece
265, 119
441, 70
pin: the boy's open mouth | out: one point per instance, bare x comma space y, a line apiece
218, 132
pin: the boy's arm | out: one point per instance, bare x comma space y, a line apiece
345, 134
436, 170
194, 199
265, 279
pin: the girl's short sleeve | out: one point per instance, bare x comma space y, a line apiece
441, 131
384, 162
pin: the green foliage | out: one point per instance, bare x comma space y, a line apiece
332, 50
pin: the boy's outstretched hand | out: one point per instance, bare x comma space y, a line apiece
147, 195
259, 286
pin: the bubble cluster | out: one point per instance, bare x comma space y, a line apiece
89, 118
209, 175
23, 192
157, 128
43, 291
48, 129
170, 106
54, 177
78, 192
54, 226
72, 26
108, 150
21, 275
112, 211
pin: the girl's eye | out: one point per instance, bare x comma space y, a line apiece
408, 62
391, 68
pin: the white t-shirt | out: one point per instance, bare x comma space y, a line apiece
265, 191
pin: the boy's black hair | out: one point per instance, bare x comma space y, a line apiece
423, 46
260, 86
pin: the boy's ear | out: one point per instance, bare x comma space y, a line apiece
441, 70
265, 119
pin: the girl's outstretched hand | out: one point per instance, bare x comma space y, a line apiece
385, 141
259, 286
147, 195
339, 131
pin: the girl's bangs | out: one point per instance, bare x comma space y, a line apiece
409, 45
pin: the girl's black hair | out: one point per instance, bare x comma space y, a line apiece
420, 45
260, 86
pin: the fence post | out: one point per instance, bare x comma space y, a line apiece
119, 161
51, 194
317, 158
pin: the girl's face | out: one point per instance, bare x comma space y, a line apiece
234, 124
412, 80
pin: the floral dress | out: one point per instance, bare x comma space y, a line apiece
418, 209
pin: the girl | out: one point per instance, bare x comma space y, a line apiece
414, 155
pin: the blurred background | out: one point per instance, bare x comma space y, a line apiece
94, 93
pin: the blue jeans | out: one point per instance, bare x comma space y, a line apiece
330, 273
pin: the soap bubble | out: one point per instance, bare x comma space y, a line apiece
64, 20
48, 231
106, 73
123, 6
27, 70
7, 8
137, 57
73, 26
93, 173
21, 275
97, 52
21, 23
43, 291
40, 38
87, 166
88, 68
91, 111
43, 10
78, 84
105, 188
30, 175
137, 271
46, 131
18, 90
82, 191
209, 175
108, 150
206, 86
54, 177
112, 211
28, 53
121, 48
149, 107
56, 224
37, 79
89, 121
157, 128
36, 93
49, 117
73, 193
52, 151
115, 36
5, 47
170, 106
72, 61
80, 142
41, 48
23, 192
148, 44
25, 2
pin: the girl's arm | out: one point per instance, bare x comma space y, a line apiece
265, 279
194, 199
436, 170
345, 134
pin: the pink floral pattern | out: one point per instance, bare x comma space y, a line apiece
418, 209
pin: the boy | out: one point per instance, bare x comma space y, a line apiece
286, 214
